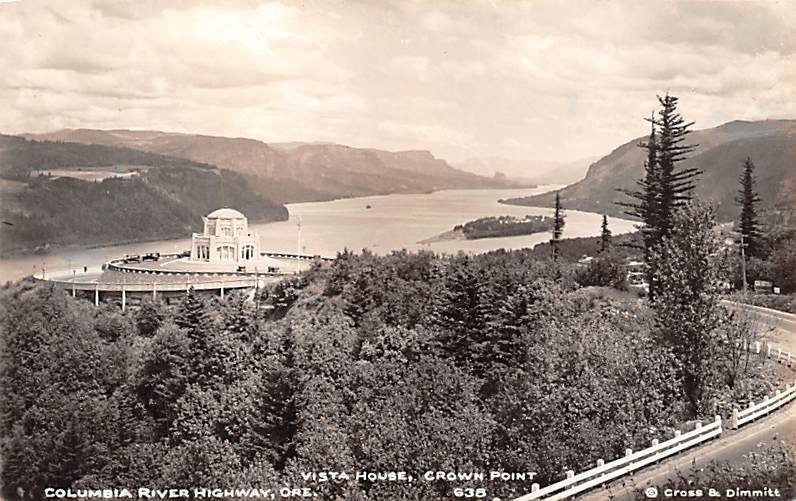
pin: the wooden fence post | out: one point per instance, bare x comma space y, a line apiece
601, 462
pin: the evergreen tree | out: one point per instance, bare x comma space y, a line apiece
664, 188
164, 375
748, 221
149, 317
460, 312
192, 314
605, 235
676, 186
558, 227
646, 205
275, 422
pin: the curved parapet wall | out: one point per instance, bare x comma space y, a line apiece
159, 286
117, 275
119, 265
302, 257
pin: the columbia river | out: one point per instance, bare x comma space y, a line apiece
378, 223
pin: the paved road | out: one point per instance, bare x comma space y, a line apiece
733, 444
780, 327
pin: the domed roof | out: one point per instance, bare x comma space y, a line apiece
225, 213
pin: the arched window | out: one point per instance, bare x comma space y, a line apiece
247, 252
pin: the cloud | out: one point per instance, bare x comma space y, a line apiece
529, 80
425, 134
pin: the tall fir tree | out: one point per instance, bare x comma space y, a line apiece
664, 188
558, 226
605, 235
747, 198
676, 185
646, 201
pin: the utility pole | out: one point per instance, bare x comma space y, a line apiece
298, 249
743, 264
256, 292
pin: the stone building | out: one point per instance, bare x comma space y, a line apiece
226, 238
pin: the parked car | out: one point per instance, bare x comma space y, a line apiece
131, 258
152, 256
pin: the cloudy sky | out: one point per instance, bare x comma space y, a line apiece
525, 80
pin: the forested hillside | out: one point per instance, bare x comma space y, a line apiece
409, 362
20, 156
297, 172
720, 155
161, 197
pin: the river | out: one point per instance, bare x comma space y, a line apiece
392, 222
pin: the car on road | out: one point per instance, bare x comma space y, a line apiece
131, 258
152, 256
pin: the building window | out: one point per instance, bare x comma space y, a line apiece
203, 252
226, 231
247, 252
226, 253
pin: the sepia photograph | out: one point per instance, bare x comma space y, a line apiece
397, 250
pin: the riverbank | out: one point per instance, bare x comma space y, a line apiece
444, 237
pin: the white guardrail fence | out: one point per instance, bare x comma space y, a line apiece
604, 472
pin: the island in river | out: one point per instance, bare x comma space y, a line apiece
496, 227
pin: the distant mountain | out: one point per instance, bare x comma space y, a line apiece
46, 203
771, 144
291, 172
529, 171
